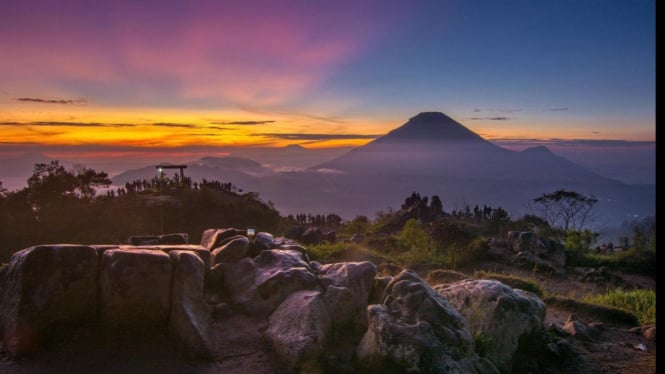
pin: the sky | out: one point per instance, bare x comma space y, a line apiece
110, 78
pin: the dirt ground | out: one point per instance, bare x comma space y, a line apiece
242, 350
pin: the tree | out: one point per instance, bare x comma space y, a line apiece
566, 209
88, 180
435, 206
49, 182
499, 219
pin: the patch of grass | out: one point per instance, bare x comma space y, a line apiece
523, 283
642, 262
441, 276
598, 312
642, 303
482, 343
328, 252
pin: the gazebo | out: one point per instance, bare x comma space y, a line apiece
160, 169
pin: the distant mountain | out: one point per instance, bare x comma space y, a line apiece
240, 171
432, 143
434, 154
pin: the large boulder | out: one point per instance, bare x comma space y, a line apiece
508, 319
135, 287
263, 241
416, 330
202, 252
539, 252
347, 286
526, 241
190, 319
177, 238
552, 251
233, 251
299, 330
260, 284
43, 288
213, 238
296, 247
312, 235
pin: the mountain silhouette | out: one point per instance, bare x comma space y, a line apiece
433, 144
432, 127
434, 154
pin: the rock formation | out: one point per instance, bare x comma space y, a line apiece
506, 318
396, 323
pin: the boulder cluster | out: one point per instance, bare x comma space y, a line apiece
393, 323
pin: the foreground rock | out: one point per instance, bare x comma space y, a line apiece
347, 286
538, 252
191, 317
135, 287
258, 285
507, 319
580, 330
416, 330
233, 251
214, 238
299, 330
43, 289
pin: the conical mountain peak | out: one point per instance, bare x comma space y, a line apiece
431, 127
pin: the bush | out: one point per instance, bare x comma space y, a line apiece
642, 303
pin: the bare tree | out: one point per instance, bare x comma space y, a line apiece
566, 209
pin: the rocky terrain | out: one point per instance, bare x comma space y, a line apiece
236, 304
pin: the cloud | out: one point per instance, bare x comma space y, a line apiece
497, 110
66, 124
317, 137
287, 53
180, 125
52, 101
243, 123
489, 118
557, 109
574, 142
328, 171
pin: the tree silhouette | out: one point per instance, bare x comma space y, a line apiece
566, 209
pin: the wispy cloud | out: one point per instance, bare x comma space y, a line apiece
489, 118
66, 124
497, 110
575, 142
242, 123
558, 109
52, 101
318, 137
179, 125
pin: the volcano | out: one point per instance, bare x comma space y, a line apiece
433, 144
